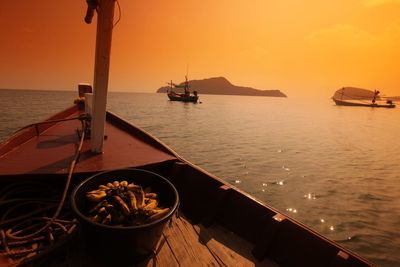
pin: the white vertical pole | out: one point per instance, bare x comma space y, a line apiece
102, 62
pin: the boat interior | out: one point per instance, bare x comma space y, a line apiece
216, 225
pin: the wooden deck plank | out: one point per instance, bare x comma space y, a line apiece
163, 256
185, 245
229, 248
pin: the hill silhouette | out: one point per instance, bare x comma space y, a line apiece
221, 86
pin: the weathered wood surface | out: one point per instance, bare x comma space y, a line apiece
230, 249
185, 244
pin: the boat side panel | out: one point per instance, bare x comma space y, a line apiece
199, 194
295, 246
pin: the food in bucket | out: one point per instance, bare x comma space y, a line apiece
123, 204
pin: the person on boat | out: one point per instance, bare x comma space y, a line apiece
376, 92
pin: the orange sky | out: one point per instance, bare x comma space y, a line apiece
298, 47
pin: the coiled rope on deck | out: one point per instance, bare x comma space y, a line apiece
35, 232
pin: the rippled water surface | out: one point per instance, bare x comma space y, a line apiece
335, 169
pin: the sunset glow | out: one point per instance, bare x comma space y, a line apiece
298, 47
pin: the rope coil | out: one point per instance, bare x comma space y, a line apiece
35, 232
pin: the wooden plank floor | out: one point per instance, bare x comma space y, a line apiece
184, 244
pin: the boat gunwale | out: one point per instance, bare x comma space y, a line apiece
19, 138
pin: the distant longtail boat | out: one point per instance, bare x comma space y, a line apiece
186, 96
361, 102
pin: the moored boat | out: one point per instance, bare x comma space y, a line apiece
184, 97
345, 97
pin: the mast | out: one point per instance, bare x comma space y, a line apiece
186, 86
105, 16
187, 92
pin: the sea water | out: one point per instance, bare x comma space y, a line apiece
333, 168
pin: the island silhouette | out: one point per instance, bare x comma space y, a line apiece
221, 86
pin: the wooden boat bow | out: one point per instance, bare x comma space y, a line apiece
219, 225
55, 145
